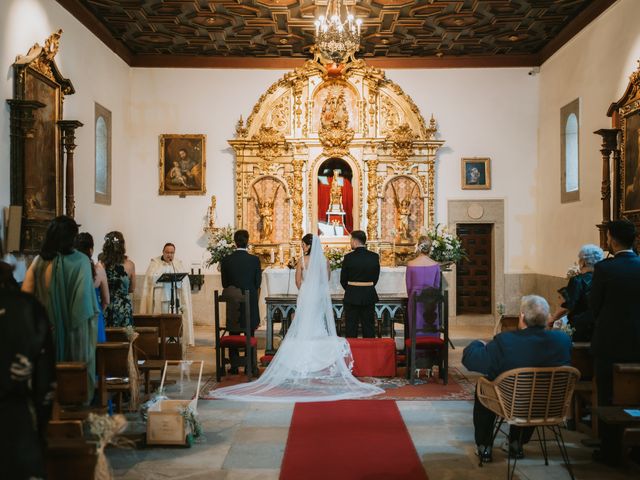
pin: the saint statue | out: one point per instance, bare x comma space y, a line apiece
335, 193
265, 210
403, 214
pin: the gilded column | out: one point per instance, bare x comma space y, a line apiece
297, 198
372, 200
431, 175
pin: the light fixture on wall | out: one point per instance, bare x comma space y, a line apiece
337, 40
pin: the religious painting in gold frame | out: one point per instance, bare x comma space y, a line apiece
183, 164
476, 174
630, 165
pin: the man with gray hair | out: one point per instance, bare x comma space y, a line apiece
529, 346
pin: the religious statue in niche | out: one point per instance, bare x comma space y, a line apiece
403, 213
335, 198
335, 133
265, 211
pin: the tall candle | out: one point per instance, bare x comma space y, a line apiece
281, 254
273, 255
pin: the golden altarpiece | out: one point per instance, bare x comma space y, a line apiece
330, 150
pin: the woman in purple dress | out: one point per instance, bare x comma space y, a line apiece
422, 272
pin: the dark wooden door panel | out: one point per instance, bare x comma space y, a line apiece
473, 281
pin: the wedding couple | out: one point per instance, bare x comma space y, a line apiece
313, 363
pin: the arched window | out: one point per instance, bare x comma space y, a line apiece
570, 154
103, 155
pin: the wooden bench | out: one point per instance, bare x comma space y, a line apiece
112, 362
626, 384
70, 458
585, 394
169, 330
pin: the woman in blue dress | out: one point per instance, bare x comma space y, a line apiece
84, 243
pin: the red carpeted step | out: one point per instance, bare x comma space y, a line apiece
350, 440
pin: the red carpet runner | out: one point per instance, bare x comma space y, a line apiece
350, 440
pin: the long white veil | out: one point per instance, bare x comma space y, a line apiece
312, 364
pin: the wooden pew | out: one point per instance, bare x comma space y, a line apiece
626, 384
112, 361
585, 394
69, 458
170, 332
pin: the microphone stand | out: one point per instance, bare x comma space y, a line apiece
175, 301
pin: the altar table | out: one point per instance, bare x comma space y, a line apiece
390, 307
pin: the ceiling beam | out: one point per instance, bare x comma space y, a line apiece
583, 19
99, 29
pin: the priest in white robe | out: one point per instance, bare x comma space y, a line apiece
156, 297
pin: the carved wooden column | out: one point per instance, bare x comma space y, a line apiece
22, 121
609, 144
68, 134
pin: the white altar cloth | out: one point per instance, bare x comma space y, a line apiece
282, 281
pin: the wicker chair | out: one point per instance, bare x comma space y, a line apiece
531, 397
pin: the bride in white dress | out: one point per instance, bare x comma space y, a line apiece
312, 364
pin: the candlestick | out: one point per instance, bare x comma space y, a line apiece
273, 255
192, 271
198, 271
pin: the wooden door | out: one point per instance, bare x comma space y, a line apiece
473, 281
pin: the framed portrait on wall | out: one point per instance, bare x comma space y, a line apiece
182, 164
476, 174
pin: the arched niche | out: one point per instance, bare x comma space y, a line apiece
351, 186
268, 202
396, 192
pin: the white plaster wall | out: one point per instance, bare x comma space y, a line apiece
485, 113
480, 112
594, 66
98, 75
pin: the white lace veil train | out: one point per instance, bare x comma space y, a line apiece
312, 364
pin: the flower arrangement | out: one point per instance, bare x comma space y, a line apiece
445, 247
220, 245
573, 271
335, 257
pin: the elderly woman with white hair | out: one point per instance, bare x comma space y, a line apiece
576, 294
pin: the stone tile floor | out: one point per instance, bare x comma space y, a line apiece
246, 441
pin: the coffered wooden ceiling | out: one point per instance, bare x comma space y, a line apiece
279, 33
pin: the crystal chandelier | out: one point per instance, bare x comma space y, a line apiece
337, 40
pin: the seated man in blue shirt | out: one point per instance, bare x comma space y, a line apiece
530, 346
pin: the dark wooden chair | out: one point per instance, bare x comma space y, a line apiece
508, 323
226, 341
73, 384
433, 339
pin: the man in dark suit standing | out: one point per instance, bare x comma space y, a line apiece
359, 275
242, 270
615, 304
529, 346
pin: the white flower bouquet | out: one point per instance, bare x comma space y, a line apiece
445, 246
220, 245
336, 257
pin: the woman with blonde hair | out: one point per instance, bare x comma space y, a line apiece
422, 272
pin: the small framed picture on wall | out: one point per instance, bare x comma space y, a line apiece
476, 173
182, 165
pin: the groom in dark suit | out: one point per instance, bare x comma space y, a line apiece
359, 275
242, 270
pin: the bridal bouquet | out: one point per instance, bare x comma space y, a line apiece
445, 247
335, 256
220, 245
